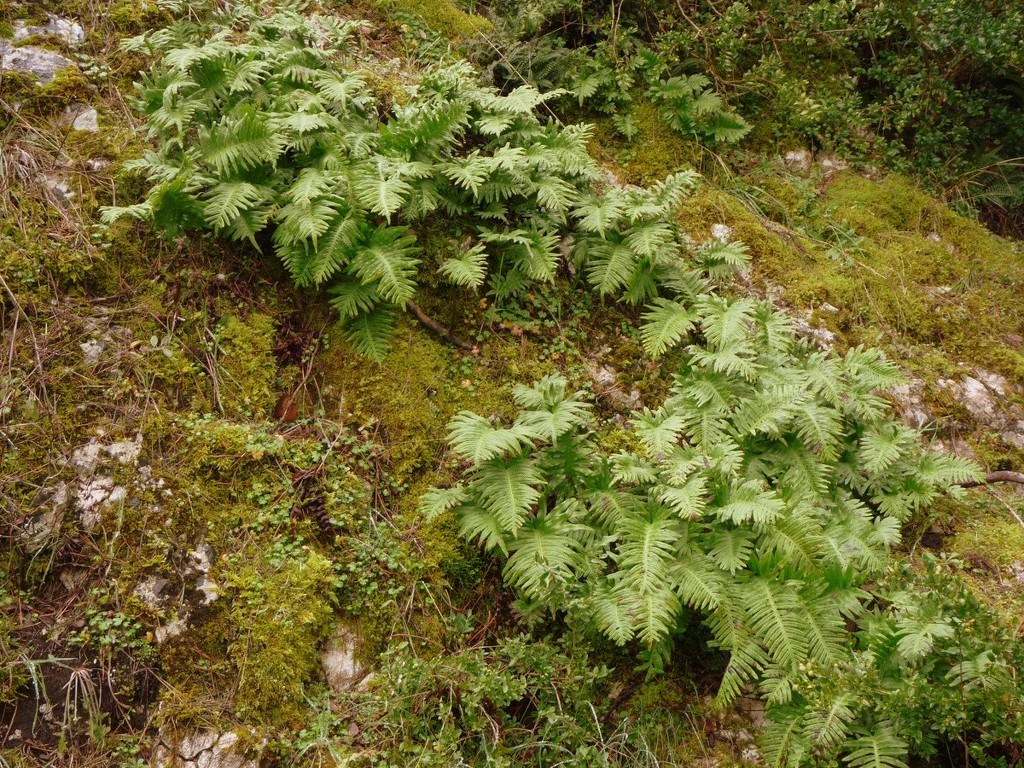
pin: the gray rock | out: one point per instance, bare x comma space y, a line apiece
94, 497
150, 591
203, 748
832, 165
342, 670
909, 401
798, 160
93, 351
209, 588
988, 398
51, 504
59, 188
81, 117
68, 31
169, 630
41, 63
721, 232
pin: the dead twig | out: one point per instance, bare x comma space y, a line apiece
1003, 476
437, 328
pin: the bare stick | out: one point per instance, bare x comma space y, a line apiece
436, 327
1003, 476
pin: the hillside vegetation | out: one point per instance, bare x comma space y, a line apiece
535, 383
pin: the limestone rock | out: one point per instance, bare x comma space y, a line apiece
94, 497
51, 504
798, 160
203, 748
68, 31
41, 63
721, 232
909, 401
150, 591
342, 670
987, 397
81, 117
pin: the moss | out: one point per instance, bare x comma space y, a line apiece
6, 30
654, 152
443, 17
279, 618
246, 365
408, 399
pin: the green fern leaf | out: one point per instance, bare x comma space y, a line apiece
664, 325
473, 437
468, 269
508, 490
386, 259
880, 749
437, 501
370, 331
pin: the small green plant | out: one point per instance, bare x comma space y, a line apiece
765, 491
930, 669
272, 123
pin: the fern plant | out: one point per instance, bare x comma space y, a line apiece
269, 122
929, 664
765, 491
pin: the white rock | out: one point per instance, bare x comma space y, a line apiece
338, 659
149, 591
70, 32
59, 187
43, 526
95, 496
204, 748
125, 451
87, 458
993, 381
909, 401
82, 118
41, 63
833, 165
799, 159
209, 588
977, 400
93, 350
201, 558
721, 232
170, 630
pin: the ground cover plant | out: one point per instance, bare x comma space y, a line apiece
571, 483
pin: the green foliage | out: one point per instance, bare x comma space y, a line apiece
770, 486
519, 701
930, 669
269, 123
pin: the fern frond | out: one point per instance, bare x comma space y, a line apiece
437, 501
474, 438
387, 259
664, 325
774, 613
468, 269
240, 142
509, 489
369, 333
880, 749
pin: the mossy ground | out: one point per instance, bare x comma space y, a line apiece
311, 518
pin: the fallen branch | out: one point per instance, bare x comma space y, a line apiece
1003, 476
437, 328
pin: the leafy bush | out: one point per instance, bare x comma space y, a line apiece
930, 668
273, 123
765, 491
517, 702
